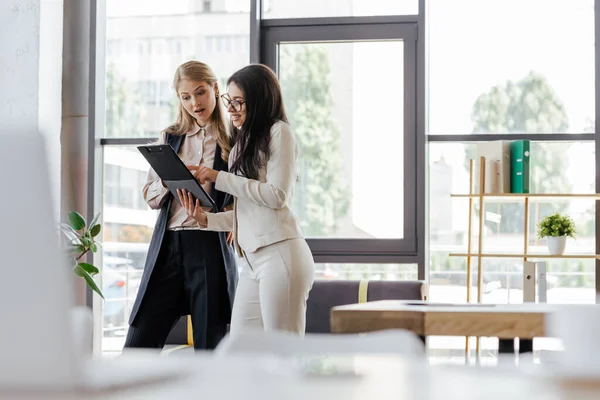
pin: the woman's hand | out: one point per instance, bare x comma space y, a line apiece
203, 174
194, 170
192, 208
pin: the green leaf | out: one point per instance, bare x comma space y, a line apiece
85, 241
68, 231
556, 225
79, 271
93, 247
95, 230
89, 268
77, 249
94, 221
76, 220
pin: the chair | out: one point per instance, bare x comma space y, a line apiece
285, 344
180, 338
326, 294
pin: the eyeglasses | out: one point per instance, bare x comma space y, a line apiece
235, 104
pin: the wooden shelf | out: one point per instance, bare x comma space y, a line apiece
478, 235
514, 255
531, 195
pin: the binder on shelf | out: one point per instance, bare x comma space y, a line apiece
519, 166
534, 282
497, 166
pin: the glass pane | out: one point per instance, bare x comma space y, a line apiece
337, 8
555, 168
383, 272
535, 77
147, 39
127, 230
343, 143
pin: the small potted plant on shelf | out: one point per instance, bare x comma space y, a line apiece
556, 228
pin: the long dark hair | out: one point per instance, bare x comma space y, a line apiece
264, 107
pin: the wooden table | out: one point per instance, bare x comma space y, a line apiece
504, 321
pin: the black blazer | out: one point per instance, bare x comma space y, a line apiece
221, 199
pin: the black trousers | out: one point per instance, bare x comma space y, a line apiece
188, 278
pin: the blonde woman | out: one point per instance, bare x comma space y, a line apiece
187, 270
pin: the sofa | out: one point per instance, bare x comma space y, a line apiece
326, 294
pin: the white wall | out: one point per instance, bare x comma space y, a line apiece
19, 52
50, 86
30, 74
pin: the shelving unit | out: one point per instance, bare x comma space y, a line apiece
525, 255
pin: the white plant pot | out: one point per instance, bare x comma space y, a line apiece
557, 244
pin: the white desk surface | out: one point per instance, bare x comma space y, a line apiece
253, 377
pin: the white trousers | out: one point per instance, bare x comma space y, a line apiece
273, 288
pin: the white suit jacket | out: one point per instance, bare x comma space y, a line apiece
261, 214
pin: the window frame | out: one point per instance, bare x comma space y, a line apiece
348, 30
258, 35
546, 137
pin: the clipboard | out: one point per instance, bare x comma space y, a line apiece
173, 172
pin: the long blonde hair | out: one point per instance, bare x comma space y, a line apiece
200, 72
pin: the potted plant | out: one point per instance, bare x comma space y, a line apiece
80, 239
556, 228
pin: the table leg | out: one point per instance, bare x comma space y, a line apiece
506, 346
424, 340
525, 345
506, 351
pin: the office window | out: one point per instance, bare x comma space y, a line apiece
209, 43
113, 48
144, 47
111, 184
523, 66
338, 8
377, 272
331, 106
123, 187
156, 48
148, 39
127, 228
156, 93
556, 167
